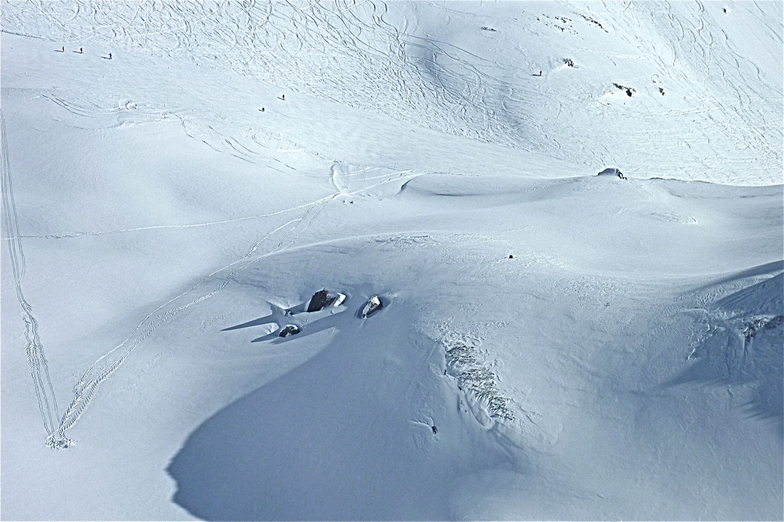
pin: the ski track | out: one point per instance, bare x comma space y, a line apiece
376, 48
34, 349
371, 63
85, 389
107, 364
349, 53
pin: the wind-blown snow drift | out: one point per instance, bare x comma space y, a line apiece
553, 344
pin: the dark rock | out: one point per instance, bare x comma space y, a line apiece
318, 301
628, 90
289, 330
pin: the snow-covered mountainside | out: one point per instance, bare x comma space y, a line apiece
180, 178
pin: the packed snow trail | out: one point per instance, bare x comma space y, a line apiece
39, 369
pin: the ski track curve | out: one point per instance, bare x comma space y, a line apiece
348, 52
373, 63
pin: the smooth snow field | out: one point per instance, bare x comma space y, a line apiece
551, 343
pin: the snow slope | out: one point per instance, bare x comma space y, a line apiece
553, 344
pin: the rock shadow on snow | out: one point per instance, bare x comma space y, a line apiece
347, 435
317, 314
743, 346
307, 318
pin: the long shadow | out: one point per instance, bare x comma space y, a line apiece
278, 314
256, 322
345, 436
308, 322
319, 325
745, 346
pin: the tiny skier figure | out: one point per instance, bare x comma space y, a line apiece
81, 51
283, 97
110, 56
540, 73
63, 49
262, 109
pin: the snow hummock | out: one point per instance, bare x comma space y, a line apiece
553, 343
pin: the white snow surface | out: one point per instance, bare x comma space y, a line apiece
553, 344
